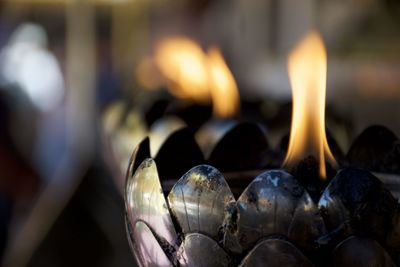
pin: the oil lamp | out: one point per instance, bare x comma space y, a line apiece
232, 209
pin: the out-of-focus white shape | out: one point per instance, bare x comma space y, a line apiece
25, 62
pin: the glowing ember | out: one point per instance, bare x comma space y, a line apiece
307, 71
192, 74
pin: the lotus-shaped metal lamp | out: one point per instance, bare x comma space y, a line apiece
197, 220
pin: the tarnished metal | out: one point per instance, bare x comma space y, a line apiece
276, 204
275, 253
201, 250
213, 224
199, 199
356, 201
273, 222
360, 252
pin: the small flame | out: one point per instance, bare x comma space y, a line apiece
184, 64
307, 67
193, 74
224, 93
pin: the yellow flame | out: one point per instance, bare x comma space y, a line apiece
193, 74
307, 67
183, 63
224, 92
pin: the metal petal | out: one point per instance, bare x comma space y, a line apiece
232, 153
276, 204
211, 133
145, 201
275, 253
147, 250
360, 252
179, 153
307, 224
141, 152
376, 149
356, 201
200, 250
199, 200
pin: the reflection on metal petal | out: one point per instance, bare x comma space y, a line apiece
360, 252
146, 202
275, 253
356, 201
307, 224
141, 152
199, 200
336, 216
276, 204
200, 250
147, 249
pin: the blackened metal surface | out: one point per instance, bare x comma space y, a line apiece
356, 199
376, 149
194, 115
141, 152
179, 153
242, 148
360, 252
275, 203
200, 250
156, 111
307, 173
275, 253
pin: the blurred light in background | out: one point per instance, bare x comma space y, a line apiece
25, 62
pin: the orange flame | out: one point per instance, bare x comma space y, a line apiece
307, 67
224, 93
193, 74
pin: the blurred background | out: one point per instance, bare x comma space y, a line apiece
80, 86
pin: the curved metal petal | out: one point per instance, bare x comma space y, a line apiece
275, 253
199, 200
141, 152
276, 204
356, 201
200, 250
360, 252
145, 201
178, 154
231, 153
146, 248
307, 224
336, 215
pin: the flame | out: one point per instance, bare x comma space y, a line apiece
224, 93
307, 67
184, 63
193, 74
